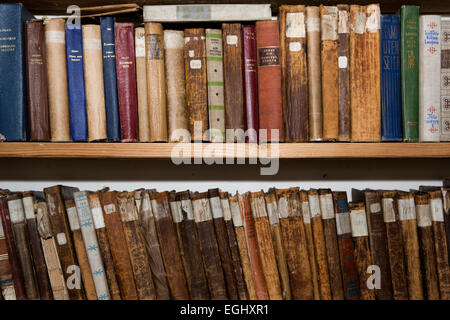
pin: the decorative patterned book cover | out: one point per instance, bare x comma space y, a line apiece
445, 79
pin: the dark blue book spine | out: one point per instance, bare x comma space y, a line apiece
391, 99
110, 78
13, 86
75, 82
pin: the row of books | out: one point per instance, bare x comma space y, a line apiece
63, 243
328, 73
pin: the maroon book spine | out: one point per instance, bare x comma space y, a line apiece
126, 81
250, 82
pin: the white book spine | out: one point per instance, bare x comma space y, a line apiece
445, 79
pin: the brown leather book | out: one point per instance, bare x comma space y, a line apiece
38, 117
266, 249
395, 245
329, 229
169, 247
136, 248
426, 242
209, 246
118, 245
156, 82
294, 72
141, 82
196, 86
446, 203
363, 261
365, 81
408, 227
314, 71
103, 243
277, 240
233, 82
330, 71
269, 80
55, 197
6, 277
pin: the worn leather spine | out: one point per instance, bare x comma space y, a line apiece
6, 277
196, 83
294, 72
141, 83
446, 204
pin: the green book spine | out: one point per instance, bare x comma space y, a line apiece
410, 72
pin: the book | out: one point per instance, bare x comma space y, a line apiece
110, 78
141, 82
365, 69
13, 101
215, 78
391, 99
6, 278
36, 67
126, 80
294, 72
409, 44
446, 204
429, 79
445, 79
156, 86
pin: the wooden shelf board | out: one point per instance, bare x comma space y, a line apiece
226, 150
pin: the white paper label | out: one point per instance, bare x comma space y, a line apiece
146, 206
232, 40
92, 43
175, 207
295, 46
437, 210
272, 212
28, 206
72, 214
140, 47
202, 210
109, 208
191, 53
406, 209
195, 64
313, 24
173, 39
53, 36
326, 206
216, 207
314, 206
2, 233
97, 216
423, 215
343, 223
295, 25
373, 21
306, 213
187, 39
186, 206
236, 214
226, 209
388, 210
359, 23
16, 212
343, 21
375, 207
343, 62
61, 239
283, 208
358, 223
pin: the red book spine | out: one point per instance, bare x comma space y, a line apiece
250, 82
126, 81
269, 78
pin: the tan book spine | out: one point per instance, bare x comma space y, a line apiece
141, 82
93, 78
156, 85
58, 96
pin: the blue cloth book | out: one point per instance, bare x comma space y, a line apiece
391, 99
110, 78
13, 81
75, 82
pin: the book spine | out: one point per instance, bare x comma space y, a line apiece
446, 203
391, 99
141, 82
38, 117
58, 98
269, 80
110, 78
175, 86
6, 276
294, 72
429, 71
215, 77
445, 79
126, 81
196, 83
250, 82
365, 73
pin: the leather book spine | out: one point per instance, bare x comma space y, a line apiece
136, 249
408, 227
169, 246
6, 277
156, 81
38, 117
320, 249
196, 83
446, 204
350, 280
148, 230
395, 248
365, 73
141, 83
315, 121
118, 244
209, 247
360, 234
88, 220
269, 80
344, 72
330, 233
126, 81
103, 244
266, 249
215, 77
330, 71
445, 76
75, 83
233, 82
110, 78
58, 98
294, 72
177, 117
250, 82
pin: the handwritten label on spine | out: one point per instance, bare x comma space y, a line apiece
358, 223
